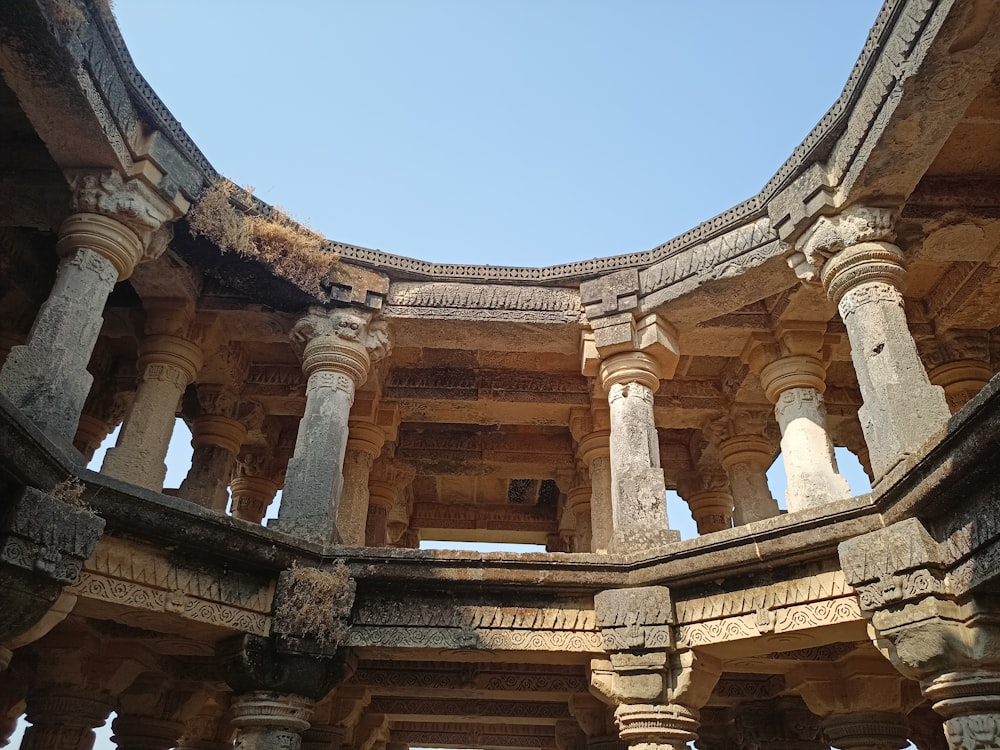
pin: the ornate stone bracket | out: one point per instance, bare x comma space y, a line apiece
43, 544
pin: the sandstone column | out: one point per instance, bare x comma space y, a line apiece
254, 485
630, 356
208, 728
863, 274
64, 718
266, 720
578, 500
959, 362
338, 348
364, 443
107, 403
861, 699
594, 451
657, 690
707, 494
168, 361
793, 378
150, 714
388, 483
217, 434
779, 724
99, 244
746, 451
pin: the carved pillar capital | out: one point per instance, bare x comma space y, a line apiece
829, 235
342, 340
867, 730
266, 719
654, 727
969, 700
651, 339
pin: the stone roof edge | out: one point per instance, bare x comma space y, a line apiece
815, 147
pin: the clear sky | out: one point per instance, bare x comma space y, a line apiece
509, 132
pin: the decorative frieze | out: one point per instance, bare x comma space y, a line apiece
494, 302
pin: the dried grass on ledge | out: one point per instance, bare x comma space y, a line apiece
314, 603
292, 251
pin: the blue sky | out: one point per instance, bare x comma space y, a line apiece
522, 132
513, 132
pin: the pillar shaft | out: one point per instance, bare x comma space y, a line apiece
901, 409
595, 453
638, 492
364, 443
47, 378
167, 363
336, 361
746, 459
216, 440
795, 384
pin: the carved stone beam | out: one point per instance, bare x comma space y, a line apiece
111, 230
338, 347
930, 626
44, 540
863, 274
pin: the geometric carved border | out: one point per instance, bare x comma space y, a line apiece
800, 604
136, 577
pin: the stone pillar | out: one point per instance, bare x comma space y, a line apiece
208, 728
594, 450
364, 443
578, 500
168, 362
861, 699
706, 491
64, 718
969, 701
931, 622
388, 483
959, 362
106, 404
217, 434
338, 348
266, 720
746, 459
863, 274
794, 379
779, 724
926, 728
253, 487
99, 244
150, 715
657, 690
630, 357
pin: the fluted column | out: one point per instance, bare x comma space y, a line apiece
168, 362
863, 274
338, 348
364, 443
99, 244
794, 379
266, 720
